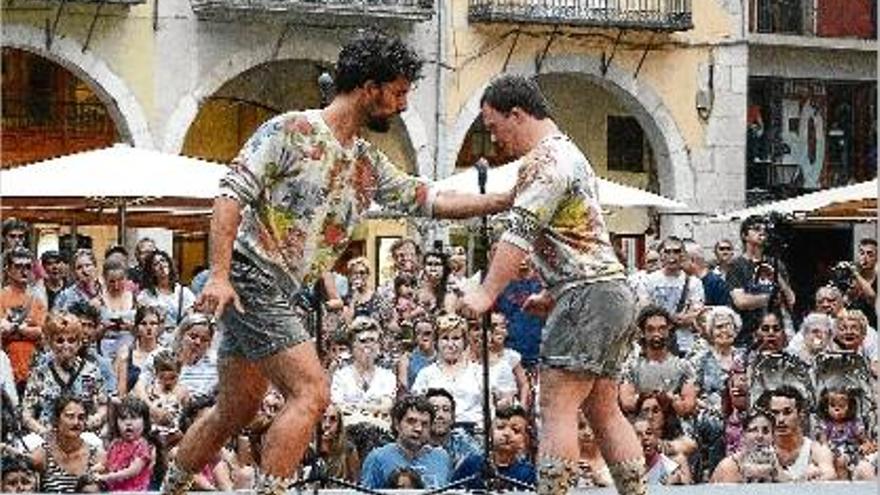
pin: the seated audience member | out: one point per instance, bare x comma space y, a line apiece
132, 453
405, 479
656, 368
756, 461
661, 469
165, 397
502, 380
593, 469
160, 287
714, 365
19, 475
362, 390
65, 458
192, 349
422, 355
455, 372
813, 337
64, 371
458, 443
55, 281
510, 433
117, 311
849, 335
341, 459
801, 458
22, 315
361, 299
90, 319
842, 430
412, 417
497, 350
657, 408
86, 282
215, 475
132, 358
735, 405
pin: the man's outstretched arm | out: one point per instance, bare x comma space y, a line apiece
450, 204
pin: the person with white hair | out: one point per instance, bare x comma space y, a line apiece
813, 337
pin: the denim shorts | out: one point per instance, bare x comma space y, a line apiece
590, 330
270, 322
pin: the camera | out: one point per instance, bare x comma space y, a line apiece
842, 275
779, 232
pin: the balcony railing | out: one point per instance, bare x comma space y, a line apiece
42, 114
819, 18
660, 15
409, 10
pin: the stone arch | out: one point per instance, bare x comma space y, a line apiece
123, 106
315, 49
674, 168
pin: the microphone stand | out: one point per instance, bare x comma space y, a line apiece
493, 481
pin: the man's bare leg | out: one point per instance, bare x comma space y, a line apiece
617, 440
297, 373
240, 393
561, 394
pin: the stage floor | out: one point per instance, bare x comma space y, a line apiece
825, 488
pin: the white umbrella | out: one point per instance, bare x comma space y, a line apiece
855, 201
503, 178
153, 185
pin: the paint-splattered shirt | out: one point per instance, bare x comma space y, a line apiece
556, 215
302, 194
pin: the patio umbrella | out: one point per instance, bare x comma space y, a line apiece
136, 186
853, 202
503, 178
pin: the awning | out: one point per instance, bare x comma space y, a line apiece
503, 178
856, 201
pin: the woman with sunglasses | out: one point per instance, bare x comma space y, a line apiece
362, 390
21, 315
63, 371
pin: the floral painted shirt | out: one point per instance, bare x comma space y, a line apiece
302, 194
556, 216
45, 385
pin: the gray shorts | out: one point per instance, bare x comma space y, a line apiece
270, 322
590, 329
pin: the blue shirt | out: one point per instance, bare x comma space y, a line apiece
460, 445
432, 464
521, 470
523, 329
716, 292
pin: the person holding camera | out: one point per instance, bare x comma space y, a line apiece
757, 281
21, 313
862, 292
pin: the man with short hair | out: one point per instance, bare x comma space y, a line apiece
863, 292
715, 289
510, 433
56, 279
286, 211
412, 417
558, 221
455, 441
724, 254
21, 313
801, 457
676, 291
658, 369
15, 234
748, 297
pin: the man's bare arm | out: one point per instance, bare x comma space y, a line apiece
449, 204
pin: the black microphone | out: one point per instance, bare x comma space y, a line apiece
482, 173
327, 88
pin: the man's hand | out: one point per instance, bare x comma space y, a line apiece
216, 295
539, 304
474, 304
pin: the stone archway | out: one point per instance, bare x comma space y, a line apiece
675, 170
123, 106
321, 51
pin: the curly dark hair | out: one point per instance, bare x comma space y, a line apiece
150, 282
377, 57
512, 90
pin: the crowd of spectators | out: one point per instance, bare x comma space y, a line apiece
104, 367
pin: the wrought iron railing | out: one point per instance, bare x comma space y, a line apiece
25, 114
663, 15
820, 18
415, 10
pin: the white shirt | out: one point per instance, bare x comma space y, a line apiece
347, 387
466, 386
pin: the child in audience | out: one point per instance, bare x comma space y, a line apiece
131, 457
842, 430
166, 396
